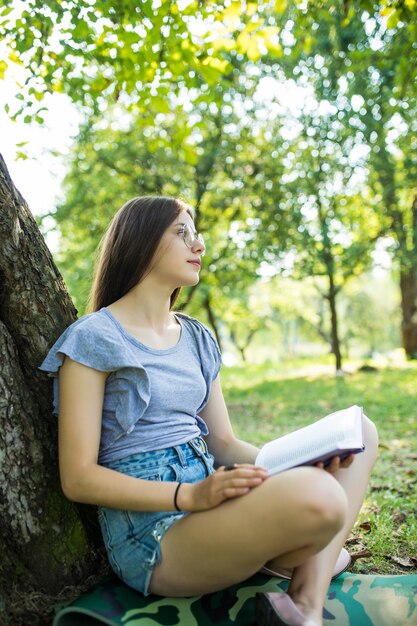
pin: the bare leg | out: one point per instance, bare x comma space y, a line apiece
302, 517
311, 580
296, 513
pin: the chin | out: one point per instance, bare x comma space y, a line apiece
191, 282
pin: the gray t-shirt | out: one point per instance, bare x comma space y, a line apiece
152, 397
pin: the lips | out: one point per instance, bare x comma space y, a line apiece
197, 263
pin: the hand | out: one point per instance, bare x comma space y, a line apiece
337, 463
220, 486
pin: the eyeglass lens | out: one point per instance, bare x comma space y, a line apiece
190, 237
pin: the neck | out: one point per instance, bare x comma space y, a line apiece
145, 306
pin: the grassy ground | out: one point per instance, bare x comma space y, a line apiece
267, 401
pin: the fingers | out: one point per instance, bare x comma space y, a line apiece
237, 480
242, 472
225, 483
337, 463
348, 461
242, 466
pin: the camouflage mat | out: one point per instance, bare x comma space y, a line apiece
353, 600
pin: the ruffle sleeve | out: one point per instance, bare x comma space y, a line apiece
95, 342
91, 341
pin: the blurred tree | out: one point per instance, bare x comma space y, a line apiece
180, 153
371, 314
363, 65
330, 228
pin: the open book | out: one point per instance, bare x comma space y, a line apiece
338, 434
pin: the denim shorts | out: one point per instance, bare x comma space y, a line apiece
132, 538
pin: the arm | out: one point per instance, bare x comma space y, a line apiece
221, 441
81, 393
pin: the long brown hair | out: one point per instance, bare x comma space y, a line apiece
129, 245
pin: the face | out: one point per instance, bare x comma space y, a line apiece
178, 257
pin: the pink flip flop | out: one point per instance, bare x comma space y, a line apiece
277, 609
342, 564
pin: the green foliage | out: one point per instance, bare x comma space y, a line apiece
137, 53
175, 96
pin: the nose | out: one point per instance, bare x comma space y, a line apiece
198, 246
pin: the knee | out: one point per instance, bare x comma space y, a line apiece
321, 501
327, 502
370, 436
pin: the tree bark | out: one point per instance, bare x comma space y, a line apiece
408, 284
212, 319
334, 324
43, 541
331, 295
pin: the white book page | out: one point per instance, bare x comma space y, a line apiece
341, 430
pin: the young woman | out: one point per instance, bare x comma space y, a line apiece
143, 425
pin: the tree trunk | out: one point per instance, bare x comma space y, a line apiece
328, 261
408, 284
334, 324
404, 227
212, 319
42, 539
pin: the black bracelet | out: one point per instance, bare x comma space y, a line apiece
175, 497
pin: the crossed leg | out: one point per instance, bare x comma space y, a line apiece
310, 581
298, 519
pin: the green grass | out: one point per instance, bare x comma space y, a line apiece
266, 402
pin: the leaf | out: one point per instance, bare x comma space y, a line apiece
380, 487
362, 553
6, 10
81, 30
161, 105
14, 58
399, 517
269, 36
223, 43
351, 541
99, 84
405, 562
39, 95
251, 8
243, 41
58, 86
233, 11
393, 19
220, 65
280, 6
3, 69
210, 75
366, 526
254, 53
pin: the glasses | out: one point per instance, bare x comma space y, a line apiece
190, 237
